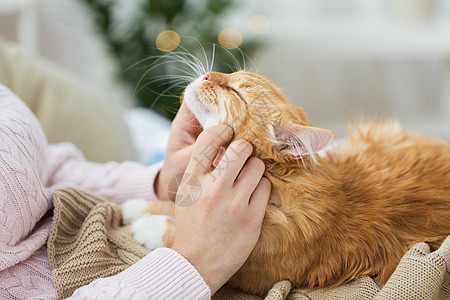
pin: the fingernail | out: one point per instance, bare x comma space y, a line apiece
218, 156
227, 133
243, 143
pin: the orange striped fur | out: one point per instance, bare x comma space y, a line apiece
354, 212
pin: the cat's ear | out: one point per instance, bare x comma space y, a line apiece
300, 140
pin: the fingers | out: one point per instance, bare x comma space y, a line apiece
233, 160
184, 113
250, 176
260, 197
206, 148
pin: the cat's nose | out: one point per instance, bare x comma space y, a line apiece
207, 76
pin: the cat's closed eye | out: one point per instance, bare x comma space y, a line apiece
237, 93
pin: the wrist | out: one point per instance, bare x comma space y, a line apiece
159, 187
213, 278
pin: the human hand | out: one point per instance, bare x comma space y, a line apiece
218, 231
184, 132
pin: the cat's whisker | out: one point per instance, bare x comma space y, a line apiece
161, 95
181, 57
232, 69
204, 55
237, 64
212, 58
194, 69
173, 84
156, 65
170, 78
138, 63
303, 162
187, 74
205, 70
199, 65
191, 121
175, 76
170, 109
245, 57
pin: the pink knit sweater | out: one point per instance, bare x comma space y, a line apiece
30, 170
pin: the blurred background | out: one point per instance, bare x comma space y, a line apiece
341, 60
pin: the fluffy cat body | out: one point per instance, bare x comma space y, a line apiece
356, 213
353, 212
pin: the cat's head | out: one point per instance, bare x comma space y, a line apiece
258, 112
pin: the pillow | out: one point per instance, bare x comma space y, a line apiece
69, 109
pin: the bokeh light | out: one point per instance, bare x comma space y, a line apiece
258, 24
230, 38
167, 41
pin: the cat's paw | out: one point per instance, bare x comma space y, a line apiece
133, 209
149, 230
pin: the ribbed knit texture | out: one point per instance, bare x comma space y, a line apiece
87, 242
30, 170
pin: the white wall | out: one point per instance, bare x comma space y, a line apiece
346, 59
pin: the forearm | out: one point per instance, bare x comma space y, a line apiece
162, 274
114, 181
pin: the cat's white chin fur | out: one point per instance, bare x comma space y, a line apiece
195, 105
149, 230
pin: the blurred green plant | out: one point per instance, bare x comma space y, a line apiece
130, 28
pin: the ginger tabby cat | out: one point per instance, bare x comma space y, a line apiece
330, 219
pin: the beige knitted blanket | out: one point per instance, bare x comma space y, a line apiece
88, 241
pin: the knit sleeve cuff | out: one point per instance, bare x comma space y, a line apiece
166, 274
115, 181
139, 184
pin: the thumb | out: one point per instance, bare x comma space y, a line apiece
187, 120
